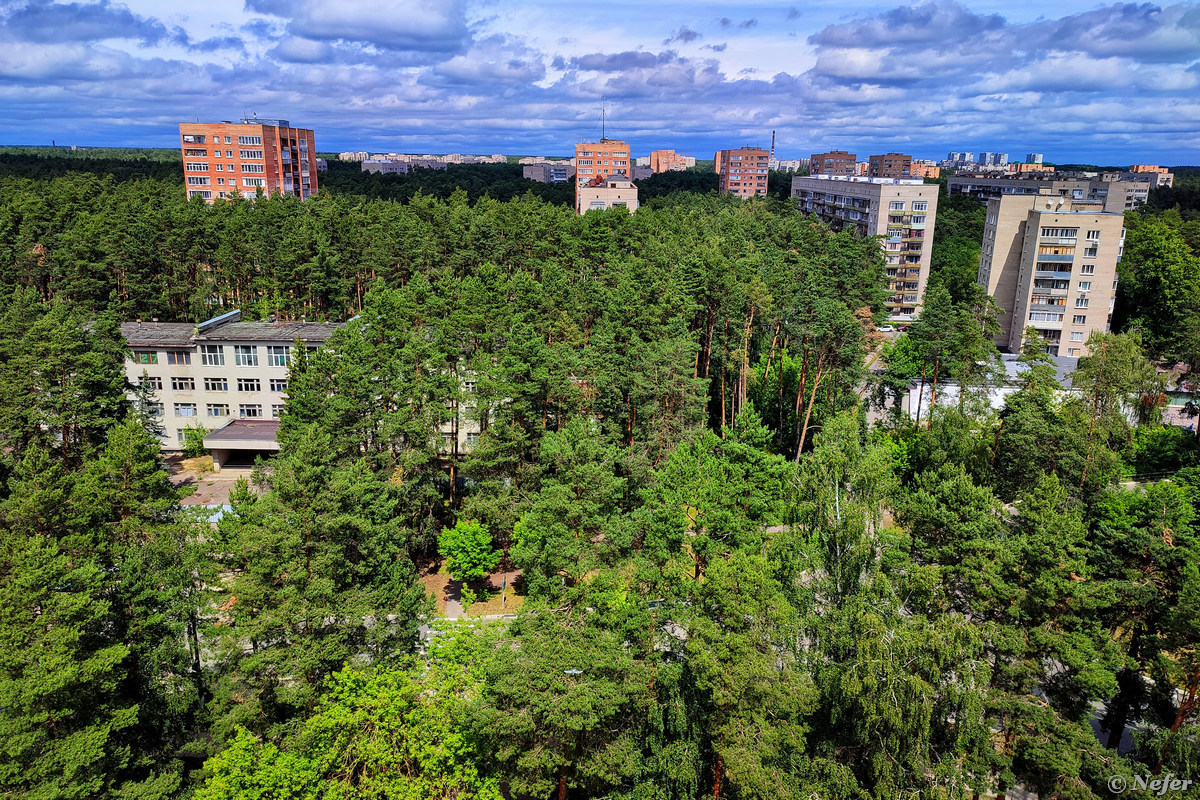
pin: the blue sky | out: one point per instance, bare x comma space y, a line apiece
1074, 80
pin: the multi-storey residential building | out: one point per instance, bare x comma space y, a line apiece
669, 161
216, 371
1022, 169
354, 155
1117, 191
1051, 263
901, 211
226, 159
923, 168
549, 171
1033, 158
1160, 175
606, 192
744, 171
889, 165
599, 160
789, 164
835, 162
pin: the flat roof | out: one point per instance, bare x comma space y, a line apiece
245, 432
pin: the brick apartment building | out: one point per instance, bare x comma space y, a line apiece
835, 162
226, 159
743, 172
599, 160
896, 166
669, 161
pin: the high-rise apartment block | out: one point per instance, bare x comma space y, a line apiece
1033, 158
744, 171
669, 161
1160, 176
890, 165
226, 159
1051, 263
599, 160
901, 211
1116, 191
922, 168
835, 162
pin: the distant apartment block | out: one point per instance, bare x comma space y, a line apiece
668, 161
1160, 175
1033, 158
744, 171
604, 192
360, 155
835, 162
1051, 263
217, 371
1116, 191
549, 171
890, 165
993, 159
1028, 168
642, 161
400, 166
227, 159
599, 160
903, 212
789, 164
922, 168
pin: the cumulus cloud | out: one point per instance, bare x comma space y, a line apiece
42, 21
684, 35
438, 26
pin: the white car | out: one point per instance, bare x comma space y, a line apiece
886, 329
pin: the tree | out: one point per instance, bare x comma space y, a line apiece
467, 548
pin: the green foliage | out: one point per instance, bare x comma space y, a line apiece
193, 440
467, 548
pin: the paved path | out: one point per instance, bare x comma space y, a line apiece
454, 606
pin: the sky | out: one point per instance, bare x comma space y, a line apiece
1077, 81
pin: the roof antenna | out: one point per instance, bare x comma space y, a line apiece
603, 119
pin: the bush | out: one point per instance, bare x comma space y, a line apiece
1161, 449
467, 548
193, 441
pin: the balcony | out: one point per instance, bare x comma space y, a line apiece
1065, 258
1052, 240
1052, 274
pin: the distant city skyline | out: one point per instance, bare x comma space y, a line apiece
1081, 82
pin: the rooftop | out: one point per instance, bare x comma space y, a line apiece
241, 432
158, 334
227, 327
863, 179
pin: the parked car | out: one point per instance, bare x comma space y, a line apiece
886, 329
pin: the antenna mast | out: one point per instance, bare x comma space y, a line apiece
603, 119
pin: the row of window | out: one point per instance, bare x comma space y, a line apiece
245, 410
202, 166
213, 355
918, 205
215, 384
1060, 233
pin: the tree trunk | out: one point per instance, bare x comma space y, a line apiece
812, 401
718, 774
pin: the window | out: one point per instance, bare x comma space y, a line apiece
227, 140
155, 409
1081, 302
178, 358
277, 355
229, 154
196, 166
1072, 351
254, 182
1093, 236
216, 385
245, 355
212, 355
218, 410
920, 205
146, 357
896, 205
179, 436
472, 439
255, 154
918, 220
152, 381
219, 168
249, 385
200, 193
278, 384
253, 168
194, 138
1079, 319
1076, 336
250, 140
1085, 286
185, 409
194, 180
469, 387
1090, 252
276, 410
250, 411
183, 384
1087, 269
220, 181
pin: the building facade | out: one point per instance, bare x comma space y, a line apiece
835, 162
1033, 158
599, 160
549, 171
923, 168
743, 171
890, 165
1051, 263
902, 211
669, 161
602, 193
222, 369
1116, 191
228, 159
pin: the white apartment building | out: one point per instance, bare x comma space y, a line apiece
217, 371
903, 211
1051, 263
